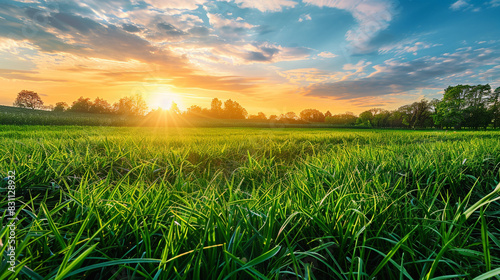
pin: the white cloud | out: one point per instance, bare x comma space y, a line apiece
265, 5
217, 21
305, 17
327, 55
494, 3
372, 16
176, 4
460, 4
406, 46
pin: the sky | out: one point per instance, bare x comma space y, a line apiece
273, 56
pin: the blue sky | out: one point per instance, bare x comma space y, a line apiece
271, 56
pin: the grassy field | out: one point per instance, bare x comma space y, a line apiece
250, 203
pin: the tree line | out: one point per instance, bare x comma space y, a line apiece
462, 106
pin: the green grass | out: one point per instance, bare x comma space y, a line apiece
249, 203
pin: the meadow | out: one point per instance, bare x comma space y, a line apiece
251, 203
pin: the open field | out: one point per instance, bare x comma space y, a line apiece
250, 203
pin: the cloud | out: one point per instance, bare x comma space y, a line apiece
130, 28
199, 31
229, 27
372, 16
265, 5
327, 55
11, 74
305, 17
460, 4
494, 3
406, 46
394, 77
176, 4
307, 75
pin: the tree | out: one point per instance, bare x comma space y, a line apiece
100, 106
216, 108
365, 118
494, 107
417, 114
194, 110
289, 117
342, 119
28, 99
60, 107
134, 105
233, 110
464, 105
81, 105
328, 114
381, 119
312, 115
174, 109
259, 116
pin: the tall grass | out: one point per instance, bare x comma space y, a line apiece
246, 203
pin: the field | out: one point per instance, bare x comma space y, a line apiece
251, 203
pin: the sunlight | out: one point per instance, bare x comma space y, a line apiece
164, 100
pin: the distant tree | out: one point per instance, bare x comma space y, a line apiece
290, 116
81, 105
134, 105
174, 109
365, 118
216, 108
342, 119
328, 114
381, 118
60, 107
417, 114
396, 119
28, 99
259, 116
194, 110
273, 118
233, 110
312, 115
100, 106
464, 106
494, 107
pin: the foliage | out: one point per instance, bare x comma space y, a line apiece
28, 99
233, 110
131, 106
81, 105
342, 119
312, 115
100, 106
60, 107
259, 116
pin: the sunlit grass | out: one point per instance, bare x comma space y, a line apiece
246, 203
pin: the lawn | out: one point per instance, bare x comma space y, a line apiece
251, 203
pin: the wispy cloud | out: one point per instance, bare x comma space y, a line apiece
373, 16
397, 76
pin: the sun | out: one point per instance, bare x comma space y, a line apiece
164, 100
